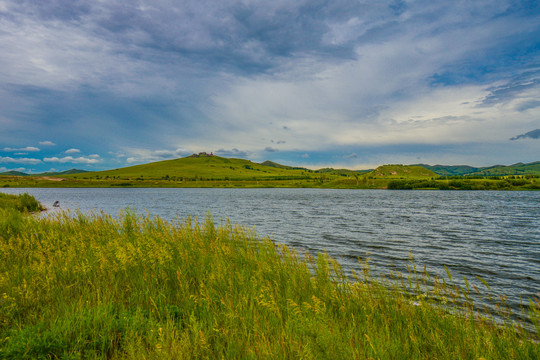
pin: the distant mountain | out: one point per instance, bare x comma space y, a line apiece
275, 165
286, 167
13, 173
402, 172
449, 170
495, 170
67, 172
515, 169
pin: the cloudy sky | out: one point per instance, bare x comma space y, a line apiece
344, 83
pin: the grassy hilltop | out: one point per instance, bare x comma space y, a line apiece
403, 172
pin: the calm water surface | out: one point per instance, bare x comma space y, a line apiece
494, 235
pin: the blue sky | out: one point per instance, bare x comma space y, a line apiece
105, 84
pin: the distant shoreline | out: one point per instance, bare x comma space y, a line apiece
501, 184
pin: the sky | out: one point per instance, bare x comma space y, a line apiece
104, 84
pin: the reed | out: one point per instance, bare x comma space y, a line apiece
93, 286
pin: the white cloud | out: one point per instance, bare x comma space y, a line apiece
146, 155
234, 152
21, 169
71, 159
28, 148
10, 160
353, 73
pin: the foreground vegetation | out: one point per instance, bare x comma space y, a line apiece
92, 286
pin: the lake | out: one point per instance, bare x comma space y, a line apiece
491, 234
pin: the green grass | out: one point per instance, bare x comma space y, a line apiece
316, 181
22, 203
81, 286
516, 169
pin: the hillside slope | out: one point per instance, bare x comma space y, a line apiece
401, 172
450, 170
199, 167
495, 170
515, 169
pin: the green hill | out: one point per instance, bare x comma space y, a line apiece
515, 169
276, 165
495, 170
67, 172
202, 167
450, 170
401, 172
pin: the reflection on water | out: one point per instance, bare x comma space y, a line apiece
494, 235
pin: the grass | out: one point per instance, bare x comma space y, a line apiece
21, 203
321, 181
78, 286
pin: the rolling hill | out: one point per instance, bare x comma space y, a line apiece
202, 167
515, 169
450, 170
402, 172
67, 172
495, 170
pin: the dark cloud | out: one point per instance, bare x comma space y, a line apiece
63, 10
270, 149
234, 152
526, 105
116, 75
535, 134
513, 88
244, 36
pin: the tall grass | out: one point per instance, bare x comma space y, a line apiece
79, 286
21, 203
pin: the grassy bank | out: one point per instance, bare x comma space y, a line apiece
323, 181
79, 286
20, 203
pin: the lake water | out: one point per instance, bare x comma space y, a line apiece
491, 234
